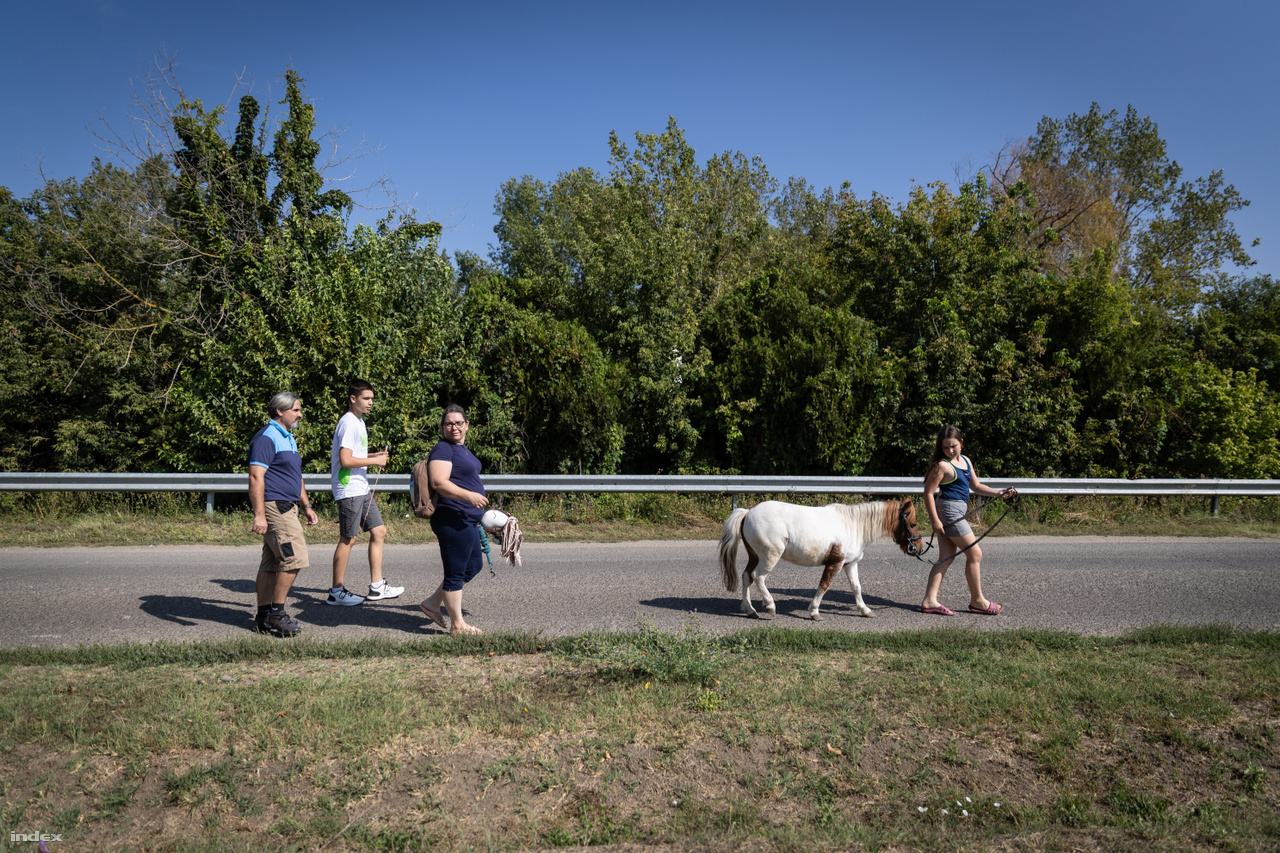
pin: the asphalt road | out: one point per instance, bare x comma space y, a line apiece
1090, 585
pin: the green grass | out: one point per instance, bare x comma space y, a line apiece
57, 519
935, 740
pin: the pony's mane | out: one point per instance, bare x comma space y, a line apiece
874, 520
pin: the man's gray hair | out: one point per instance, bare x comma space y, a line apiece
281, 402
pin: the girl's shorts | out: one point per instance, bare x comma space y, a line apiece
952, 513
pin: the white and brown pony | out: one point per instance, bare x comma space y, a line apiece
833, 536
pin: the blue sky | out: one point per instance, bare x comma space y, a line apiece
459, 97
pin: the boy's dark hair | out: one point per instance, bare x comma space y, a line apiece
356, 387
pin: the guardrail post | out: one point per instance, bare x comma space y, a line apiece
1213, 506
208, 503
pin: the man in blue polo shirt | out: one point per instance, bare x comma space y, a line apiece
276, 491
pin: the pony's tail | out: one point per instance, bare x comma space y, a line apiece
729, 548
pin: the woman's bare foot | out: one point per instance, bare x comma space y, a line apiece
434, 615
465, 629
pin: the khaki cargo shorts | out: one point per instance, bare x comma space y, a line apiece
284, 549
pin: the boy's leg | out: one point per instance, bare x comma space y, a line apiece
338, 593
348, 531
377, 537
372, 521
341, 556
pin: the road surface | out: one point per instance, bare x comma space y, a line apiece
1086, 584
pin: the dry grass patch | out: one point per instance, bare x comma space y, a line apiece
945, 739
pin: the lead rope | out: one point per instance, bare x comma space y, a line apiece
983, 505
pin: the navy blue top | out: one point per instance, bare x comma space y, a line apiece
273, 447
957, 488
465, 474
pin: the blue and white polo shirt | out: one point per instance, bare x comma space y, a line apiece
274, 448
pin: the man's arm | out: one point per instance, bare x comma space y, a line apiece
257, 497
312, 518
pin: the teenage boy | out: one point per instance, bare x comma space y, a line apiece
276, 491
348, 475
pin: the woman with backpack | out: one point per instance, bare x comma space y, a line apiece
454, 474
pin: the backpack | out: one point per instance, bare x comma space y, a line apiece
422, 498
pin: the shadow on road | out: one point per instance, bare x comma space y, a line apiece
241, 585
307, 604
793, 603
189, 610
397, 614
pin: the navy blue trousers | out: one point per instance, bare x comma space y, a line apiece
459, 547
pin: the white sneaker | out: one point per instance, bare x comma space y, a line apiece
377, 593
344, 597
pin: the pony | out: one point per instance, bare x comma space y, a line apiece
833, 536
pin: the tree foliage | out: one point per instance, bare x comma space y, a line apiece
1071, 308
637, 258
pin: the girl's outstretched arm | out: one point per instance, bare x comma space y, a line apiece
978, 487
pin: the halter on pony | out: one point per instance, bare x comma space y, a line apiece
904, 528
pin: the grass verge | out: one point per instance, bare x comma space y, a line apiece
764, 740
60, 519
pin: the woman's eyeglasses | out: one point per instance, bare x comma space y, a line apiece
454, 424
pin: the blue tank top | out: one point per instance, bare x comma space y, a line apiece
957, 488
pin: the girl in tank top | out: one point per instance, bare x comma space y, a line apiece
952, 477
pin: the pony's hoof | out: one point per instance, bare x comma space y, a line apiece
772, 611
869, 613
751, 614
816, 617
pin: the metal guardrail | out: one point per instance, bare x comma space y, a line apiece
211, 484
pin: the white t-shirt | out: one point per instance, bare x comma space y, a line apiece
349, 482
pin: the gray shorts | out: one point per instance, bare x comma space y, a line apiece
352, 518
952, 513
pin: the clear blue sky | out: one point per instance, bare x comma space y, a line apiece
462, 96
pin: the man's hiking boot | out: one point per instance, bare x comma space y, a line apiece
277, 622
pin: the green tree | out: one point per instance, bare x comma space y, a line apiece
544, 397
305, 307
1223, 424
799, 386
93, 309
1117, 222
1239, 327
157, 310
636, 258
956, 302
380, 306
1103, 181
